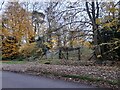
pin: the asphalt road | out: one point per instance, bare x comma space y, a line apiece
15, 80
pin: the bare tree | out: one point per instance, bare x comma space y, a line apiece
93, 13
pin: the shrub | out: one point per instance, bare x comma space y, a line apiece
10, 48
28, 49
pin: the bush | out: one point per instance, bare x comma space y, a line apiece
10, 48
28, 49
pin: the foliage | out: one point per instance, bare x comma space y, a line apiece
66, 26
10, 48
16, 22
109, 32
47, 45
87, 44
28, 49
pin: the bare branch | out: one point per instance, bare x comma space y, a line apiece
2, 5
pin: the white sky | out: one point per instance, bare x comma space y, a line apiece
55, 0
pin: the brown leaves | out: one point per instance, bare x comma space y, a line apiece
100, 73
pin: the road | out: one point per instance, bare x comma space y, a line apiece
15, 80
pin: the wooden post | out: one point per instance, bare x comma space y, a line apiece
79, 54
67, 54
60, 54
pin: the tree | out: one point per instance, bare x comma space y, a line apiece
109, 31
38, 20
93, 15
16, 27
9, 48
17, 22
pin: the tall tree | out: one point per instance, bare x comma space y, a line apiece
16, 27
17, 22
109, 28
93, 13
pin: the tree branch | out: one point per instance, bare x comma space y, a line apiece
1, 5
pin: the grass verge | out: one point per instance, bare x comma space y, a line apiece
73, 77
88, 78
113, 82
13, 62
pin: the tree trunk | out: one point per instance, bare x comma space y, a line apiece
93, 16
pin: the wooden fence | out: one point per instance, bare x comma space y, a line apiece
64, 52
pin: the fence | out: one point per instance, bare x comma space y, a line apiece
69, 53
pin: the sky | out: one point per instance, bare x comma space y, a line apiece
47, 1
55, 0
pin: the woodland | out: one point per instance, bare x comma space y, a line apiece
77, 41
75, 31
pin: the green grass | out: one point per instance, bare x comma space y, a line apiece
14, 62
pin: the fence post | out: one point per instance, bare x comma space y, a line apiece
60, 54
67, 54
79, 54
